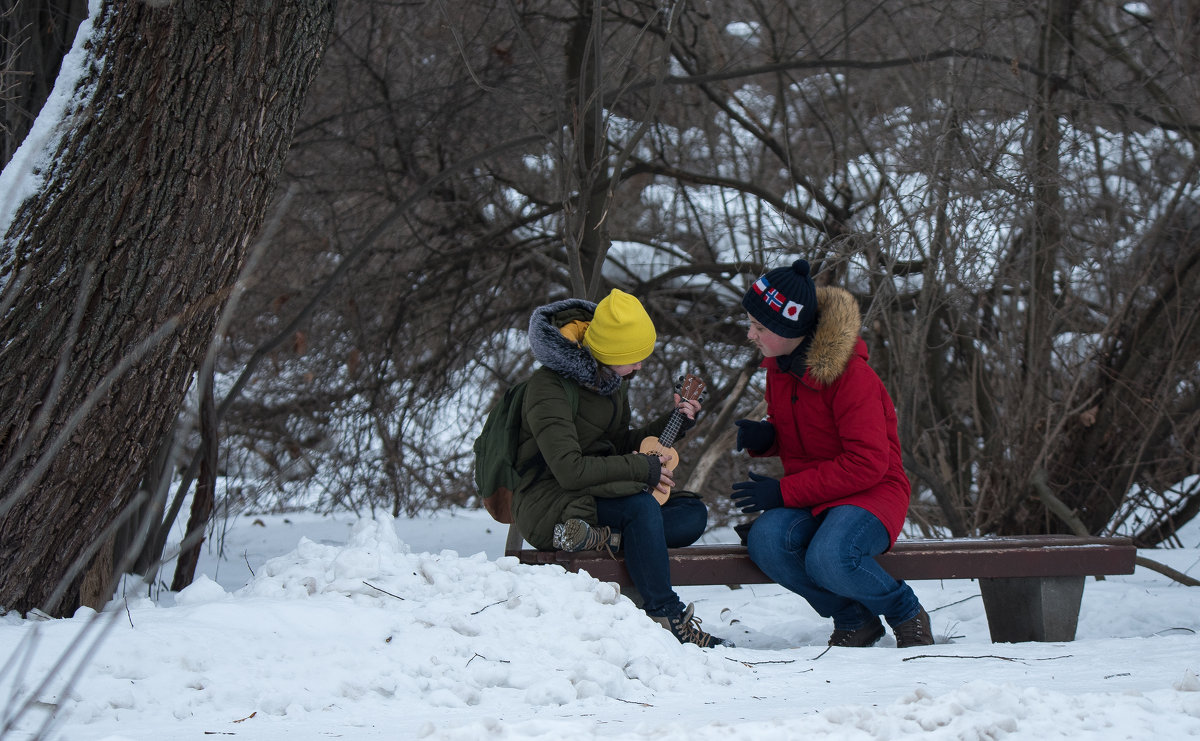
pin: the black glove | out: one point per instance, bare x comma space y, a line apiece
655, 472
754, 436
758, 494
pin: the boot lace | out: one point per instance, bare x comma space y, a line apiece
687, 629
915, 632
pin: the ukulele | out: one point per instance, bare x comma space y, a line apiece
690, 388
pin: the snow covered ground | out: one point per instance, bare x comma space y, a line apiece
315, 628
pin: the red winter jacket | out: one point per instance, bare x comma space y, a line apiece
835, 427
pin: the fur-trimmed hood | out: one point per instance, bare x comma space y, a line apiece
836, 339
563, 355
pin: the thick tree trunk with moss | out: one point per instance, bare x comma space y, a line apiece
114, 273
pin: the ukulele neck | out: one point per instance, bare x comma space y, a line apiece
667, 438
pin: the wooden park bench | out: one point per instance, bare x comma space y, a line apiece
1032, 586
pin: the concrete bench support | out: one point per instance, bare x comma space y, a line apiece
1032, 586
1042, 608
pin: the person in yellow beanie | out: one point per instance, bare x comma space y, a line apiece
583, 487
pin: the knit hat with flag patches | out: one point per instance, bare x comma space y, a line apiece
621, 332
784, 301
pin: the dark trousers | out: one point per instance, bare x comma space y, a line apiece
647, 531
829, 560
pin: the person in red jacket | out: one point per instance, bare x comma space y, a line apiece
844, 494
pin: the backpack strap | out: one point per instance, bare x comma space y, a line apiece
572, 394
569, 388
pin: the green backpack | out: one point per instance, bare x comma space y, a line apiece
496, 474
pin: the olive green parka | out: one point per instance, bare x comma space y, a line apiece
566, 457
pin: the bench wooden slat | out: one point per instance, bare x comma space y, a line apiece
955, 558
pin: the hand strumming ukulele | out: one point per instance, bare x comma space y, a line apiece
690, 388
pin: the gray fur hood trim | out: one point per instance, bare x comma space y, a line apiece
564, 357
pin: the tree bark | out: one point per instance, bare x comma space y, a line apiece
115, 272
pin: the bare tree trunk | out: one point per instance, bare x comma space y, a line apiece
206, 489
588, 241
1039, 255
117, 269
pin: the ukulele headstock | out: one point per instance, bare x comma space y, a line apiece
690, 387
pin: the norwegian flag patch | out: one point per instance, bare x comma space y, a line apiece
776, 300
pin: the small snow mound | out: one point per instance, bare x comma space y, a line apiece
201, 591
378, 534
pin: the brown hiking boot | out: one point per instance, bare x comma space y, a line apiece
915, 631
865, 637
686, 627
576, 535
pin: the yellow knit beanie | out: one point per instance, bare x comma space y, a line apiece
621, 332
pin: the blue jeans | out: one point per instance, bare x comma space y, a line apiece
647, 531
829, 560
